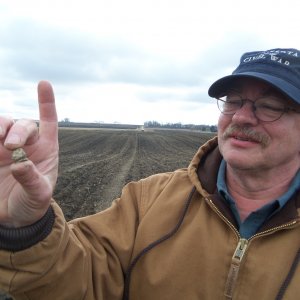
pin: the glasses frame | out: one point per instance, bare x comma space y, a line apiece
285, 109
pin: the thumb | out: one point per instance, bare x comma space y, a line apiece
36, 186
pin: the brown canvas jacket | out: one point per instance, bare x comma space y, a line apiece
169, 236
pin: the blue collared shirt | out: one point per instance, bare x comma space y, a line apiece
254, 221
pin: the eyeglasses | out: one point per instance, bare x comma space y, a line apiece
265, 108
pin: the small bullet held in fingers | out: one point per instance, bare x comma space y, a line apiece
19, 155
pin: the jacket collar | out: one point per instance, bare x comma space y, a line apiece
204, 167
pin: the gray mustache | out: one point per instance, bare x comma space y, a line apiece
248, 133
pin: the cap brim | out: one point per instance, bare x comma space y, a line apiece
220, 86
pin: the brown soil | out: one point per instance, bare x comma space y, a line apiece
96, 164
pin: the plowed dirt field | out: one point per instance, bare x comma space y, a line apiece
96, 164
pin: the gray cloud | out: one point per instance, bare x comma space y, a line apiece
226, 53
26, 103
187, 96
33, 51
30, 51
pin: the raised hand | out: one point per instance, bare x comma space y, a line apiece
26, 187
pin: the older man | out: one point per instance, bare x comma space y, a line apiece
227, 227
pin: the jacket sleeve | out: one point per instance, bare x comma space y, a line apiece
83, 259
16, 239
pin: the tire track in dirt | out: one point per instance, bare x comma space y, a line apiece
115, 185
89, 185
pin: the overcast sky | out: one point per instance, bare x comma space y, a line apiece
132, 61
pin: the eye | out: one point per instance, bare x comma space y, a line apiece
269, 104
233, 99
233, 102
229, 103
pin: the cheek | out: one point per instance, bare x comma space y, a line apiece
283, 139
223, 122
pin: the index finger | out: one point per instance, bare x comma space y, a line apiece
48, 116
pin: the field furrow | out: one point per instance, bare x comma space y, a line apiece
96, 164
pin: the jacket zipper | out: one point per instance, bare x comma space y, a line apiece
235, 267
237, 255
274, 229
240, 250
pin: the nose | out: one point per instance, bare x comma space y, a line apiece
246, 114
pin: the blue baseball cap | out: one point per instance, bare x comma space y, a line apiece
278, 67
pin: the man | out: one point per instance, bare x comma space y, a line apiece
227, 227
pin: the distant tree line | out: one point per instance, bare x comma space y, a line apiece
155, 124
149, 124
67, 123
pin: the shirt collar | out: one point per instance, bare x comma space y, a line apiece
282, 200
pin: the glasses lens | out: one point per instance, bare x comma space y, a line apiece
229, 104
269, 109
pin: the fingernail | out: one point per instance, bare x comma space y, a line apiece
13, 139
